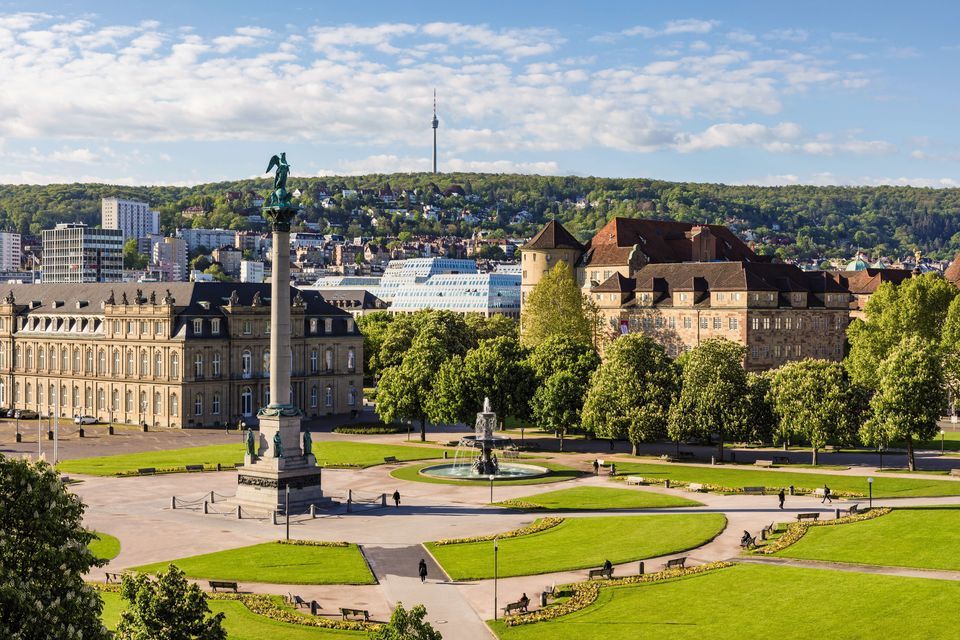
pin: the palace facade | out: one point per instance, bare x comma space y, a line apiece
171, 354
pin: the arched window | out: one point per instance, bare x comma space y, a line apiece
157, 404
52, 396
131, 363
144, 363
29, 397
39, 395
63, 395
198, 404
16, 392
314, 361
198, 365
3, 355
101, 400
101, 362
76, 397
174, 405
89, 368
246, 401
328, 396
266, 396
116, 362
266, 362
143, 402
215, 405
328, 360
17, 358
30, 358
53, 359
352, 396
115, 400
88, 398
128, 405
76, 360
215, 365
64, 360
313, 397
351, 359
158, 364
246, 361
174, 366
3, 393
41, 359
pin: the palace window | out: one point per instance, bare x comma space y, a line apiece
128, 404
314, 361
266, 362
247, 327
157, 403
115, 400
89, 367
328, 396
116, 362
198, 365
215, 364
175, 366
197, 326
703, 323
733, 324
30, 358
246, 401
687, 322
313, 325
198, 404
42, 359
246, 361
328, 360
717, 323
101, 400
352, 397
158, 364
352, 359
101, 362
215, 405
766, 323
144, 363
328, 325
174, 405
130, 363
215, 326
313, 397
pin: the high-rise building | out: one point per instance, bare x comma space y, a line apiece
74, 252
208, 239
169, 259
9, 251
134, 219
251, 271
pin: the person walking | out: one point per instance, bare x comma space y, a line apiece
396, 497
826, 495
422, 570
781, 496
596, 467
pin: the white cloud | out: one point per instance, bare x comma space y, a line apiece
673, 27
789, 35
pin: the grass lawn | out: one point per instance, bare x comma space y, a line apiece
759, 601
925, 537
883, 487
593, 498
559, 473
240, 623
329, 454
105, 546
276, 563
580, 543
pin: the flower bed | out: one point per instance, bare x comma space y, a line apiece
796, 530
585, 593
519, 504
716, 488
539, 525
314, 543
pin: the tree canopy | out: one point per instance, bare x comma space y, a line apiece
556, 307
166, 608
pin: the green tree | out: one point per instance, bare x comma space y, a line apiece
950, 349
761, 421
168, 608
916, 307
407, 625
132, 258
404, 390
811, 400
631, 392
482, 328
555, 306
562, 353
558, 402
374, 327
43, 557
910, 397
713, 397
448, 328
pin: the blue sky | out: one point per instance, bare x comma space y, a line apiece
737, 92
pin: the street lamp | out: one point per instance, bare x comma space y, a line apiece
942, 436
286, 508
492, 477
870, 485
496, 548
17, 416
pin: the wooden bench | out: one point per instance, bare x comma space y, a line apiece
520, 605
346, 612
391, 459
781, 460
955, 472
634, 480
767, 530
113, 577
808, 516
296, 601
147, 471
763, 463
549, 592
853, 510
676, 563
755, 491
685, 455
601, 573
222, 584
696, 486
194, 467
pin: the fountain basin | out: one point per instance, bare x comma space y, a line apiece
506, 471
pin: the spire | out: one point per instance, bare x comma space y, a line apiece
435, 124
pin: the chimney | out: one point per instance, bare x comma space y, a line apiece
703, 244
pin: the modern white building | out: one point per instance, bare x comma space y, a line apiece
251, 271
208, 238
134, 219
417, 271
10, 251
169, 259
74, 252
485, 293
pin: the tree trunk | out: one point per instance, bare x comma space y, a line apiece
560, 433
911, 463
677, 441
423, 429
720, 448
814, 456
633, 448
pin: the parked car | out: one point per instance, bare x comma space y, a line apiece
9, 413
26, 414
84, 420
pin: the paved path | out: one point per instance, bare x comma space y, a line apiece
856, 568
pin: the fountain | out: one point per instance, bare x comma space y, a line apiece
476, 456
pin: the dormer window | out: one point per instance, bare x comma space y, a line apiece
197, 326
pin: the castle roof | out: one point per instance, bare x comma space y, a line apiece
553, 236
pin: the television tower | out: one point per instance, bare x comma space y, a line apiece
435, 123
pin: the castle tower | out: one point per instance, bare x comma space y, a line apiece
435, 123
551, 245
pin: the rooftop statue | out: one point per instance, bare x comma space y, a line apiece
279, 197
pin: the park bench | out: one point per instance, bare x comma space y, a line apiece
222, 584
296, 601
548, 593
391, 459
113, 577
767, 530
147, 471
194, 467
685, 455
755, 491
763, 463
808, 516
781, 460
835, 448
695, 486
676, 563
520, 605
748, 543
634, 480
346, 612
601, 573
955, 472
853, 510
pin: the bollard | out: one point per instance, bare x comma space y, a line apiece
349, 505
313, 511
212, 500
80, 432
173, 502
49, 435
838, 514
110, 430
273, 516
444, 455
206, 507
713, 460
543, 599
238, 512
314, 608
145, 428
19, 437
641, 568
666, 483
218, 466
383, 499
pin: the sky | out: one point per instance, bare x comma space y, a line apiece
736, 92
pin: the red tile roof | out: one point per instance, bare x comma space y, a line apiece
553, 236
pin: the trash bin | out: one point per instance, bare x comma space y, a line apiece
543, 599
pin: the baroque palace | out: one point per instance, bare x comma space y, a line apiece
170, 354
683, 283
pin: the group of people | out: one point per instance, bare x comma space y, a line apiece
827, 495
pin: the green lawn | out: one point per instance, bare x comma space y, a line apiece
240, 623
276, 563
883, 487
105, 546
580, 543
593, 498
329, 454
925, 537
760, 601
558, 474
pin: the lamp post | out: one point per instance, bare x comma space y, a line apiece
492, 477
496, 548
17, 416
943, 435
286, 509
870, 485
56, 437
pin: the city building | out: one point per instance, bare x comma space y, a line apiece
169, 259
170, 355
488, 294
10, 251
229, 258
684, 283
134, 219
862, 283
251, 271
208, 239
356, 302
417, 271
74, 252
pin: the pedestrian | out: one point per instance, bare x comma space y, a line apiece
524, 602
781, 497
613, 469
423, 570
607, 565
396, 497
826, 495
596, 467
